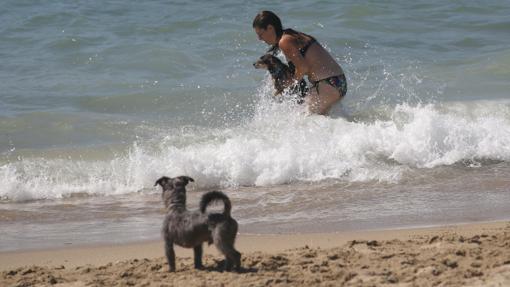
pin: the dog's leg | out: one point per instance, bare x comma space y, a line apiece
170, 255
232, 257
197, 250
237, 260
228, 264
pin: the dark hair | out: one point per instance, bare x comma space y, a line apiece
265, 18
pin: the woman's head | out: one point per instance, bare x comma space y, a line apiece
268, 27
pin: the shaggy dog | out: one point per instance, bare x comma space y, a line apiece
190, 229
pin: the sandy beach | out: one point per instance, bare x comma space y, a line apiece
458, 255
405, 181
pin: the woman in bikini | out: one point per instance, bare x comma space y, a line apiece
308, 58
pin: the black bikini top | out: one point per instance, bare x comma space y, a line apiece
274, 49
303, 49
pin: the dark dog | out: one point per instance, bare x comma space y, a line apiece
190, 229
282, 76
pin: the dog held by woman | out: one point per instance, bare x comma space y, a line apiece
282, 76
190, 229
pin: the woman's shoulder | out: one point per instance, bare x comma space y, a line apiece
296, 37
287, 41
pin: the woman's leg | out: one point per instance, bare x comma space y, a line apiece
320, 103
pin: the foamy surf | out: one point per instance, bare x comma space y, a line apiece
280, 144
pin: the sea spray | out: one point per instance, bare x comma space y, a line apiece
281, 144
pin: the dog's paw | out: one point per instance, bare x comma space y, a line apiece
199, 267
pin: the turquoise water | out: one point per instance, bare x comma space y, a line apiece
100, 98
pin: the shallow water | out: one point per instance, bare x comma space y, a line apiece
98, 100
434, 197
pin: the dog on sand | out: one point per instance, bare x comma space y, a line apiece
190, 229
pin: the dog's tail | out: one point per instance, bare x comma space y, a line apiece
212, 196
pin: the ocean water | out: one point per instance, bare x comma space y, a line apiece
98, 99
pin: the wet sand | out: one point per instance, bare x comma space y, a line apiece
458, 255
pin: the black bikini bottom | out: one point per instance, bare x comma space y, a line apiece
339, 82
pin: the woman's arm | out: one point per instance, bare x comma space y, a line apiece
290, 49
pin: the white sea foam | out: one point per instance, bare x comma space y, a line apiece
281, 144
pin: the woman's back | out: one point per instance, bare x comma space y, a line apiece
320, 64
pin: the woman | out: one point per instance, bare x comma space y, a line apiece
307, 57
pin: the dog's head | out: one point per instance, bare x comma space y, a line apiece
176, 183
174, 189
268, 62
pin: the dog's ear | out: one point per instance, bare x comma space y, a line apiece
275, 61
162, 181
267, 59
186, 179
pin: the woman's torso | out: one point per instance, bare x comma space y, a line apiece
319, 64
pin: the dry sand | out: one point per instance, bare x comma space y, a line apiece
460, 255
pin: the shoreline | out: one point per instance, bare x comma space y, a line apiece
474, 254
97, 254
